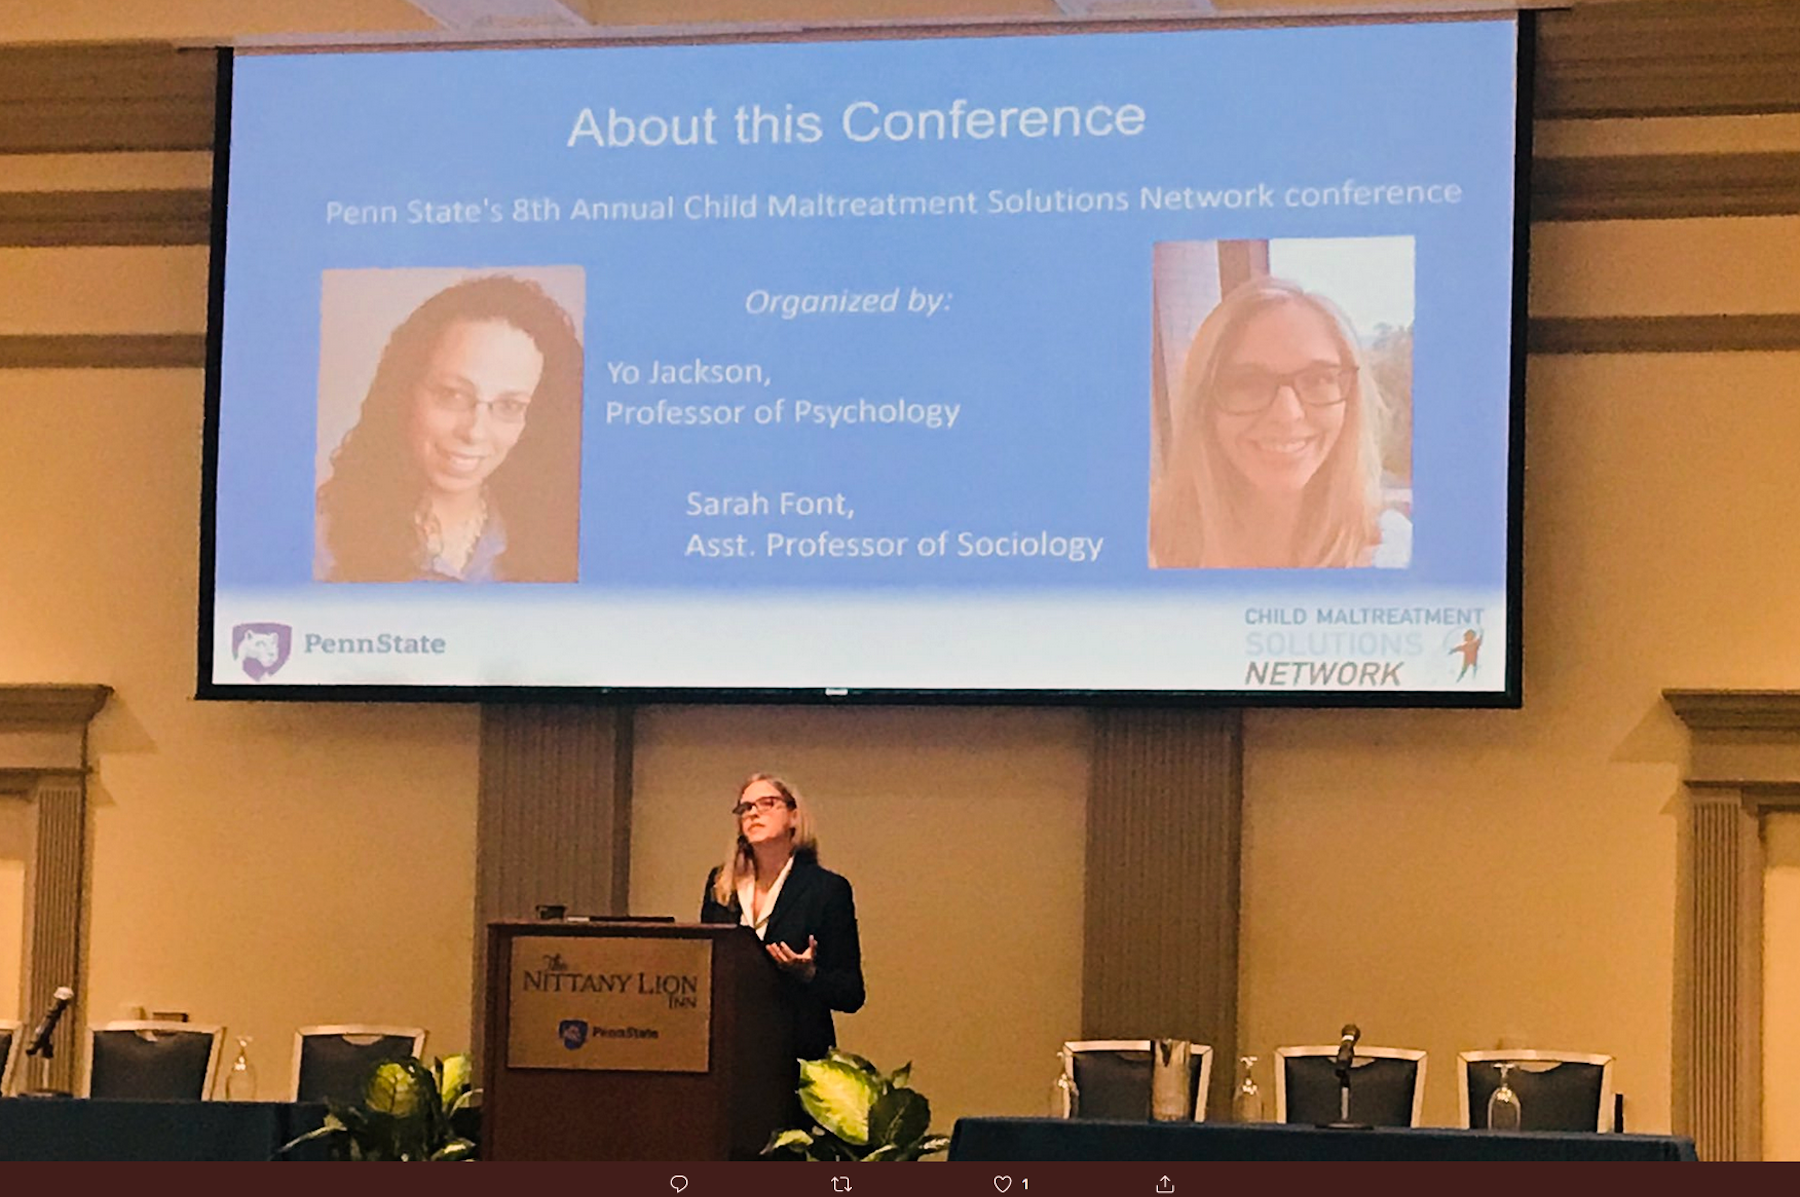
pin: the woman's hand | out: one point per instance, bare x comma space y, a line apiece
800, 964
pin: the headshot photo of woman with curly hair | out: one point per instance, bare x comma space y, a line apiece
1276, 432
464, 460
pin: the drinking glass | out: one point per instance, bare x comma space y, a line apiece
240, 1082
1503, 1109
1247, 1100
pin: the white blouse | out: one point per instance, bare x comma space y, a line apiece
746, 893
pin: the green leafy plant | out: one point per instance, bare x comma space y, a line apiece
403, 1112
858, 1114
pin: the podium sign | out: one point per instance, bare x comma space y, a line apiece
618, 1004
632, 1040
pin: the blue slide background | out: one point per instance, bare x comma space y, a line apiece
1046, 343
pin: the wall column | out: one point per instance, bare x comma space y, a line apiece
44, 758
554, 819
1720, 1106
1744, 762
1160, 951
60, 864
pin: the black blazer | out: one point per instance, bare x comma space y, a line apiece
814, 903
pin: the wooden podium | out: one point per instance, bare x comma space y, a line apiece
632, 1041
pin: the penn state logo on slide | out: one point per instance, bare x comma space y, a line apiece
574, 1032
261, 648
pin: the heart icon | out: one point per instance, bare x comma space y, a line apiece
1003, 1183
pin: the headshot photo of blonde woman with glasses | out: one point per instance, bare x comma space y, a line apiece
451, 449
1281, 434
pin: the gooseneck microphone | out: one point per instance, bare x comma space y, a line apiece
39, 1044
1344, 1061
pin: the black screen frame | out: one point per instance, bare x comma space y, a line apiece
1511, 696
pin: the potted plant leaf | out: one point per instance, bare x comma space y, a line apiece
405, 1111
859, 1114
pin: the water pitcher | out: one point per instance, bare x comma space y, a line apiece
1171, 1080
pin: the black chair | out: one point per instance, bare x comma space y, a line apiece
153, 1061
1387, 1085
331, 1062
11, 1035
1110, 1078
1558, 1091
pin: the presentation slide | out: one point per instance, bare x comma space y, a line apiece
1117, 364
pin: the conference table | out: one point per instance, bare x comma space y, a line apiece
74, 1129
80, 1129
1006, 1140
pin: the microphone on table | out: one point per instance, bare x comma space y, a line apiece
39, 1044
1346, 1058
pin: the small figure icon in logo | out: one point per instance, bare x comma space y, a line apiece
574, 1032
1470, 649
261, 648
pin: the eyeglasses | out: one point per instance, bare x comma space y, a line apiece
452, 401
761, 806
1246, 390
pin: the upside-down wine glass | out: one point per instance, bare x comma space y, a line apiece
240, 1082
1503, 1111
1246, 1100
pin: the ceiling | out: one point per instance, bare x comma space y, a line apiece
226, 20
253, 20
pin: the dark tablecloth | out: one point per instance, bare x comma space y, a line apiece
1007, 1139
76, 1129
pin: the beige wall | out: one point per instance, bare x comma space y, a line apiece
1514, 874
1511, 879
257, 865
1446, 879
961, 832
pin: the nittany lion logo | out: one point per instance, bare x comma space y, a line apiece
261, 648
574, 1032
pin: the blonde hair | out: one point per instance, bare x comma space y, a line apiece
1195, 506
740, 862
